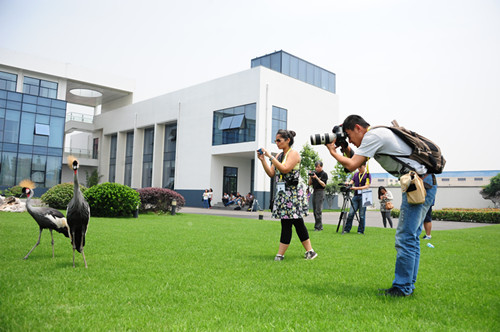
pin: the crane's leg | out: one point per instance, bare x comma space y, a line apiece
81, 249
73, 243
36, 244
83, 254
52, 236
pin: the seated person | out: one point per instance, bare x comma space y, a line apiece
225, 199
249, 199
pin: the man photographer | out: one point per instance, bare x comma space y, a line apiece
388, 149
318, 181
360, 180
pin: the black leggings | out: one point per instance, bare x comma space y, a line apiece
286, 230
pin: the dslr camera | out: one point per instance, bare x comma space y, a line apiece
337, 134
311, 173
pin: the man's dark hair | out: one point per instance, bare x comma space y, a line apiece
352, 120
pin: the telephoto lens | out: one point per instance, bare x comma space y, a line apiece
325, 138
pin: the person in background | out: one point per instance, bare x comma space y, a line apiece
385, 196
318, 181
249, 200
290, 203
428, 224
210, 196
205, 199
225, 199
360, 180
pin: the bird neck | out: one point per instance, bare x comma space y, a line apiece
76, 186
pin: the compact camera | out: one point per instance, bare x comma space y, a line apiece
259, 151
337, 134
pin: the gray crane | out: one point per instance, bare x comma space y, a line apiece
46, 217
77, 214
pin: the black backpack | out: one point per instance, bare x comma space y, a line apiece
424, 151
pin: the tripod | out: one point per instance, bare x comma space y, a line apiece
255, 205
345, 210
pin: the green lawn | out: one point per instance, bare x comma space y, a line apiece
192, 272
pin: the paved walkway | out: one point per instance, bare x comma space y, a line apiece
373, 218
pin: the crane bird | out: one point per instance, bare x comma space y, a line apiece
78, 213
46, 217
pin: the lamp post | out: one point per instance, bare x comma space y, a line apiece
174, 206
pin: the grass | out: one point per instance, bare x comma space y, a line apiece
192, 272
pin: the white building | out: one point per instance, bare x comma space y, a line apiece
206, 136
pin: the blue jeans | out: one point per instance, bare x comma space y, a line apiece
408, 239
357, 204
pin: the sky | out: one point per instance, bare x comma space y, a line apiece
433, 65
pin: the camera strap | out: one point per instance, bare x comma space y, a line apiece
284, 160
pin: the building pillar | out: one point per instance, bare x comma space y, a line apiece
121, 146
159, 141
137, 158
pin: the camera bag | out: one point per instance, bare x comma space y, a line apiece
424, 151
413, 186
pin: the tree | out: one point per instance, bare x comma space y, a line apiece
338, 177
308, 157
92, 179
492, 191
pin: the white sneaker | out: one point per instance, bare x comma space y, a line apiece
427, 237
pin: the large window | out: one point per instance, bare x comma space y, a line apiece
31, 138
37, 87
112, 157
169, 149
279, 121
290, 65
129, 153
234, 125
8, 81
147, 158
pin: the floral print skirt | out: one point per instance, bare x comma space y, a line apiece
291, 204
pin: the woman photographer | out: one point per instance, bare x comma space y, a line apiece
386, 205
290, 202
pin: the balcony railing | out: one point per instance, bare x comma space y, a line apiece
79, 153
79, 117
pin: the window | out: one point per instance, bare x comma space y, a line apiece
42, 129
478, 179
8, 81
234, 125
95, 148
147, 158
169, 149
230, 180
112, 158
461, 179
279, 121
42, 88
297, 68
445, 180
129, 152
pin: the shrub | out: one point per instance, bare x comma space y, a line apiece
59, 195
112, 200
15, 191
159, 199
467, 215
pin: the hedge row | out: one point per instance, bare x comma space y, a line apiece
491, 216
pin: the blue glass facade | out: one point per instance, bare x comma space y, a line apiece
31, 138
234, 125
279, 121
292, 66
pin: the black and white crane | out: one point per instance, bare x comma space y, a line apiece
46, 217
77, 214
